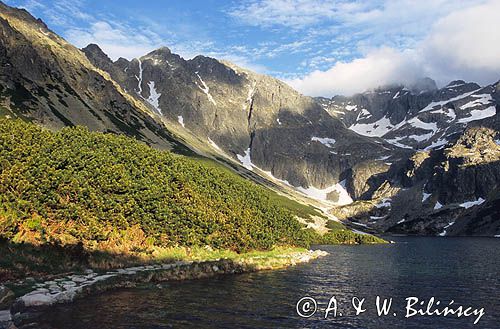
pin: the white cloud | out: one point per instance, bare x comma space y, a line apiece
462, 45
466, 44
378, 67
242, 62
290, 13
115, 40
401, 16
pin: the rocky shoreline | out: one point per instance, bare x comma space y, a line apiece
25, 309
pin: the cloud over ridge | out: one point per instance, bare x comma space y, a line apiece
462, 45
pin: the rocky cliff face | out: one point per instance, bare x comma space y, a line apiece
415, 118
43, 78
448, 183
255, 119
448, 191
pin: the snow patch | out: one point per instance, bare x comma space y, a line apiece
322, 194
359, 224
455, 85
270, 174
417, 123
215, 146
384, 203
421, 138
364, 114
432, 105
425, 196
328, 142
139, 79
376, 129
154, 96
181, 120
440, 142
251, 92
470, 204
245, 160
484, 99
445, 228
313, 192
479, 114
438, 205
43, 32
205, 89
396, 142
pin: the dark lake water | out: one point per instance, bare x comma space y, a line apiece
465, 270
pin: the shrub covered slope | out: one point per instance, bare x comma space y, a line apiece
77, 185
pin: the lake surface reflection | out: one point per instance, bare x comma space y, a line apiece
465, 270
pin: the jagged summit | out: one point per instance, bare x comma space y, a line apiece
95, 53
455, 83
49, 81
162, 52
423, 85
416, 87
92, 47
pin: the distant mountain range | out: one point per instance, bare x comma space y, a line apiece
413, 159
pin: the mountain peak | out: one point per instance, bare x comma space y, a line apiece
201, 60
423, 85
96, 56
93, 47
416, 87
160, 52
456, 83
95, 50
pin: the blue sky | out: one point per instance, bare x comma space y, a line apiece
320, 47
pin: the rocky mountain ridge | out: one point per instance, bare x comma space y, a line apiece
366, 159
255, 119
308, 144
419, 119
452, 171
43, 78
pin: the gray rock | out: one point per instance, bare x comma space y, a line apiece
6, 297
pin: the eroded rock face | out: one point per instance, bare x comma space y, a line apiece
254, 118
452, 191
366, 178
45, 79
421, 117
